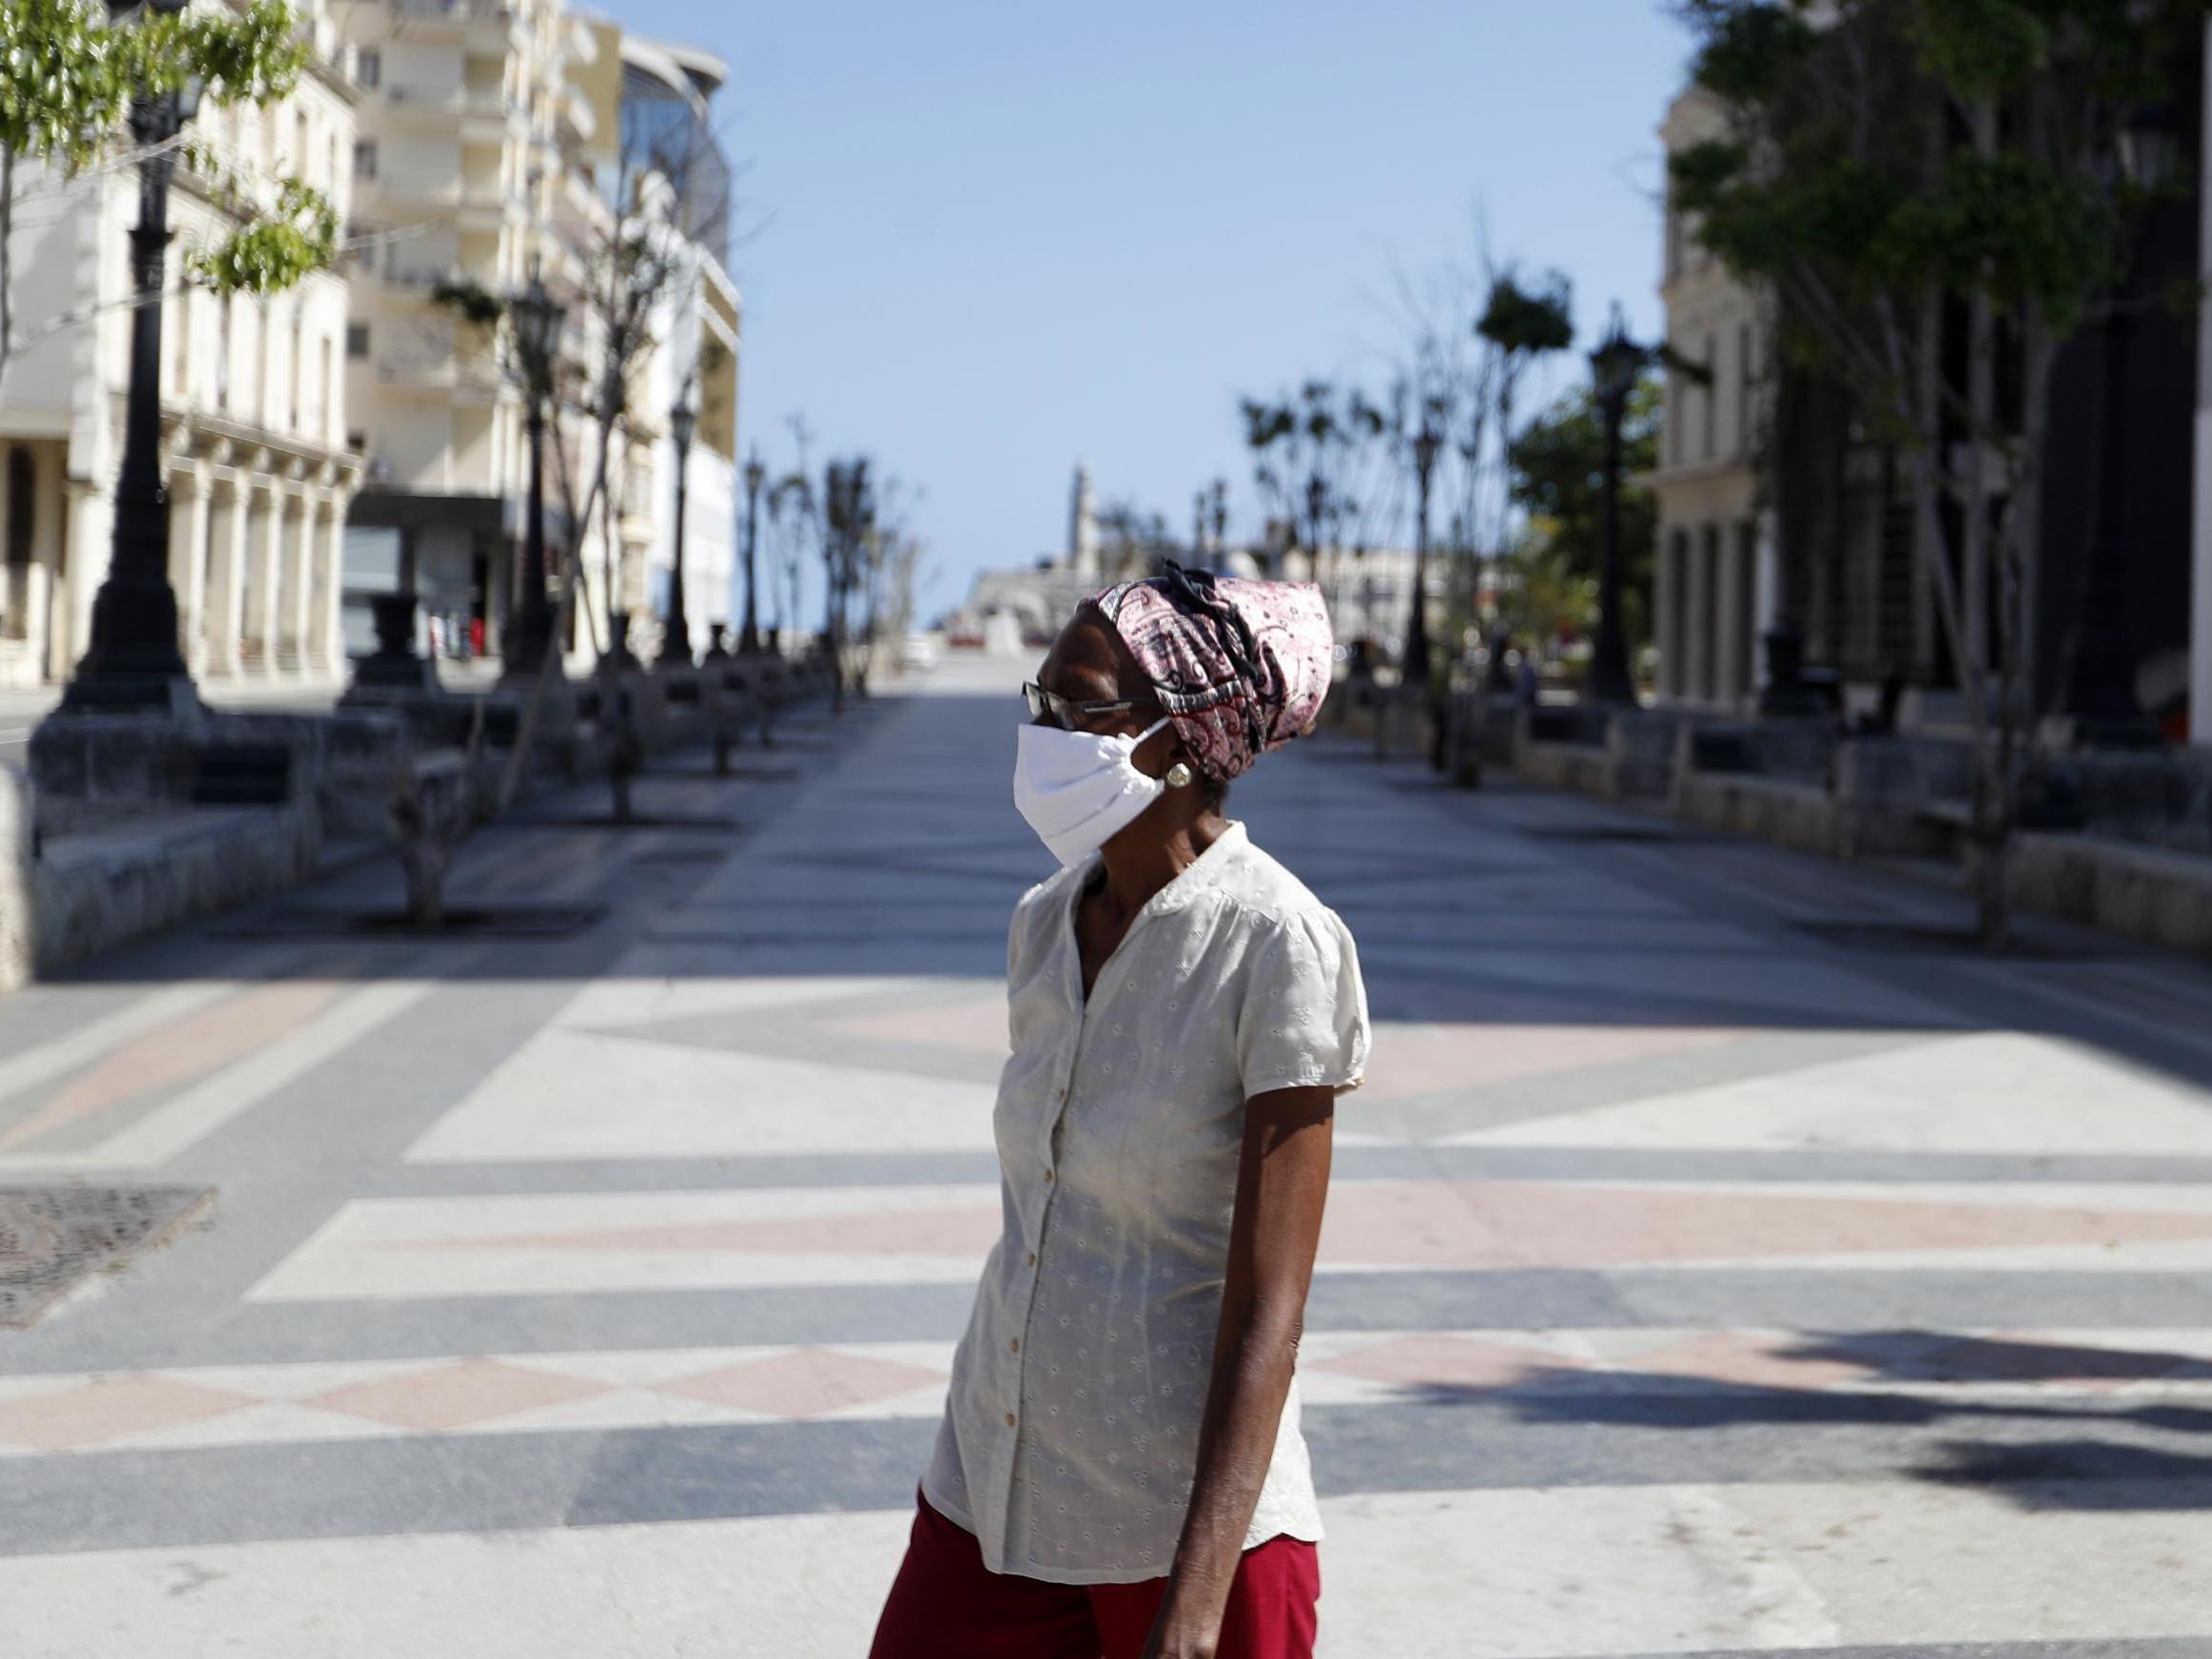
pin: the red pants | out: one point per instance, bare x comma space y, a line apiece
945, 1604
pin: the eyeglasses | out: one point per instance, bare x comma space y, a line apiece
1067, 711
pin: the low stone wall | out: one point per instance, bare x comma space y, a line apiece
88, 894
1580, 767
121, 851
18, 915
2141, 892
2163, 798
1787, 812
1613, 754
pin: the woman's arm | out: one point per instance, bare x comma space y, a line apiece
1283, 1177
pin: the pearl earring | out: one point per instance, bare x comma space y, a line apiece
1179, 775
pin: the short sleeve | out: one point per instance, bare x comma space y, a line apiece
1303, 1019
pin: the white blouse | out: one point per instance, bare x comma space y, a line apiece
1070, 1433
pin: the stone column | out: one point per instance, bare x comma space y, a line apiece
1697, 641
258, 608
328, 530
1666, 586
303, 549
1731, 626
227, 555
188, 562
1766, 595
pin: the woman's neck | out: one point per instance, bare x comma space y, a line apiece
1135, 870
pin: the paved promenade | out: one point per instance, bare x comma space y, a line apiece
1694, 1282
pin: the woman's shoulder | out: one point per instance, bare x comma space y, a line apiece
1266, 896
1041, 904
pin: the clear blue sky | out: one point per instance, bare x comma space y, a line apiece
995, 238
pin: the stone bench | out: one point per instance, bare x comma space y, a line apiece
2145, 892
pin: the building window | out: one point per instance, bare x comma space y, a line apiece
298, 363
223, 311
22, 522
1743, 389
179, 321
368, 68
1712, 399
357, 339
299, 142
364, 159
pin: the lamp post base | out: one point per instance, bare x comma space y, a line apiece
103, 695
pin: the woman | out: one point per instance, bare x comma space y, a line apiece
1119, 1471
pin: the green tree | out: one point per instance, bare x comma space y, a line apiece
1557, 472
1882, 157
1315, 461
1521, 324
70, 73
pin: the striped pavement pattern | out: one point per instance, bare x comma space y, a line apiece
1691, 1285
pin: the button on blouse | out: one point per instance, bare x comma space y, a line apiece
1071, 1432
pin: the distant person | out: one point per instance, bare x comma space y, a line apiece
1528, 686
1120, 1472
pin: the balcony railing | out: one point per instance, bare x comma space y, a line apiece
494, 10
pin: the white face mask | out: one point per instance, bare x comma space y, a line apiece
1078, 788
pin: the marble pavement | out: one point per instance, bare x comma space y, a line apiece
1691, 1285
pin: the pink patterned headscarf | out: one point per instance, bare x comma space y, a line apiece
1241, 666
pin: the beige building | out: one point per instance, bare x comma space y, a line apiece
1714, 560
491, 136
252, 392
472, 133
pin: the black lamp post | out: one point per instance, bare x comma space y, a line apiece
1425, 445
1613, 366
132, 664
1220, 516
529, 632
675, 639
755, 475
2100, 690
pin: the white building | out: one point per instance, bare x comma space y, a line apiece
252, 394
1715, 565
667, 131
493, 138
462, 105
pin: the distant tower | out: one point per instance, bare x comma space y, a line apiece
1082, 527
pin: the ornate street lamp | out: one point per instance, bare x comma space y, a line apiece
755, 475
537, 318
2101, 688
131, 663
675, 639
1613, 366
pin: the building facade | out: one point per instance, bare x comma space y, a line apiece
1713, 563
253, 394
462, 105
1783, 518
501, 142
667, 137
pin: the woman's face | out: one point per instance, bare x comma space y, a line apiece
1089, 663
